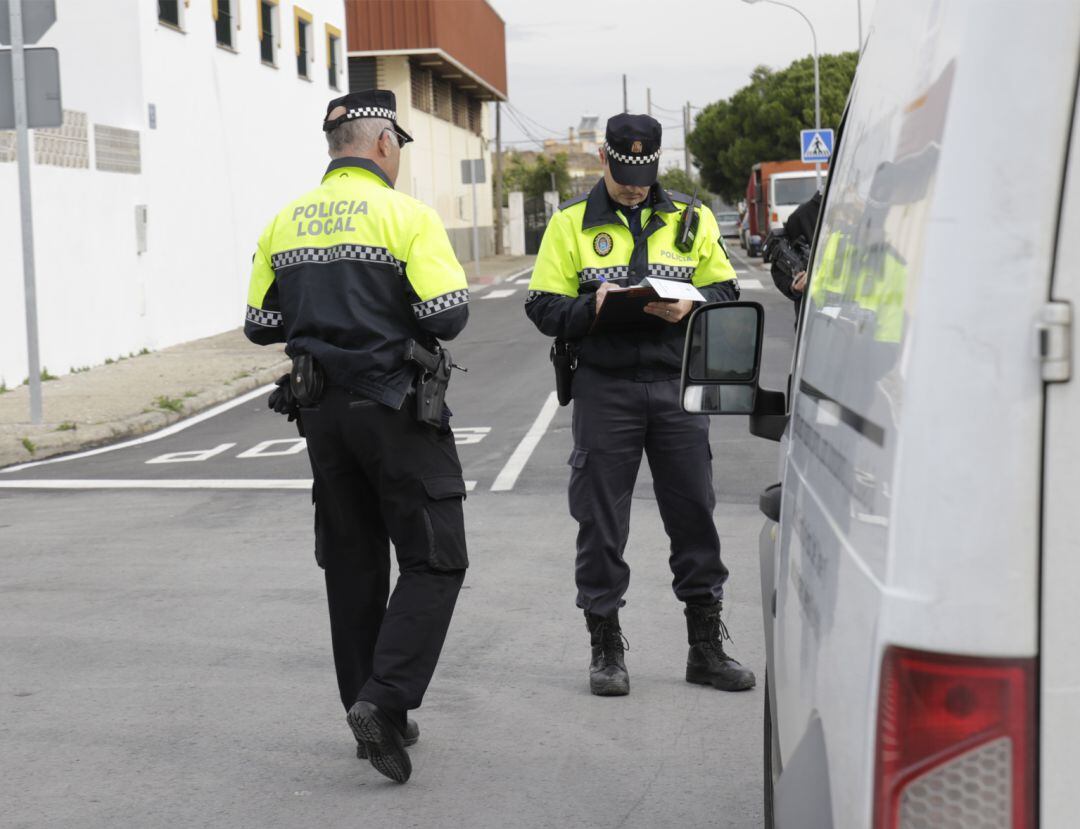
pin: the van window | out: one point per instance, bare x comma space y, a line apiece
795, 190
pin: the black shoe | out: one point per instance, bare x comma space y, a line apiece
607, 671
385, 745
707, 664
412, 736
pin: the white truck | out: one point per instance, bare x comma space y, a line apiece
920, 566
787, 191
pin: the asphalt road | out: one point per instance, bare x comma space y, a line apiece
165, 655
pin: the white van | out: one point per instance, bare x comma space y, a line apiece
921, 582
788, 190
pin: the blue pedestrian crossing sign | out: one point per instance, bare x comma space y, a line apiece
816, 145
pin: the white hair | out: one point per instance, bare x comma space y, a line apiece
359, 135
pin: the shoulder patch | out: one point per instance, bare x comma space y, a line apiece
573, 201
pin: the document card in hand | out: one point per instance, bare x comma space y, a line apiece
624, 308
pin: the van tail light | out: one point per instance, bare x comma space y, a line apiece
775, 216
955, 742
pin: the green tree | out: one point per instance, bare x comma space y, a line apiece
534, 177
761, 121
675, 178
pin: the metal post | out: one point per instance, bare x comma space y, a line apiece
817, 106
22, 133
475, 229
685, 136
858, 5
648, 101
625, 104
498, 180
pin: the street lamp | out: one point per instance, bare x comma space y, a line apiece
817, 77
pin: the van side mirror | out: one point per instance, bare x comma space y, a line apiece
722, 363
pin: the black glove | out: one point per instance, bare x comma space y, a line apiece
281, 399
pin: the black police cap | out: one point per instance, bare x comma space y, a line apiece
372, 103
632, 146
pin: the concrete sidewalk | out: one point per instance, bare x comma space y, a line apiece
140, 394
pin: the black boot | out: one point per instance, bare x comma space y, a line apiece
412, 737
707, 663
607, 672
383, 743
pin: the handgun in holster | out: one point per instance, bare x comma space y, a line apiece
431, 382
564, 358
306, 380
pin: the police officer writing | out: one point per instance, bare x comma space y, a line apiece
626, 396
356, 278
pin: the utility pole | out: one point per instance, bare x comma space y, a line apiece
686, 136
625, 105
648, 101
498, 180
22, 138
858, 5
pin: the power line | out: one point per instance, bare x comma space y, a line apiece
532, 121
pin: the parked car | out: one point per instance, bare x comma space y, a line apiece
920, 557
729, 224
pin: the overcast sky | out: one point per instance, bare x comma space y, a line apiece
566, 57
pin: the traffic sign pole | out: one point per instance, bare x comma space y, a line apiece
22, 133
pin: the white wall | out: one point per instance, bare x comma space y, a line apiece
235, 139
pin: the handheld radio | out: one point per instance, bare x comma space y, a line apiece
687, 229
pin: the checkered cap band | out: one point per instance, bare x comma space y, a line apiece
324, 256
631, 159
673, 272
608, 274
371, 112
443, 302
267, 319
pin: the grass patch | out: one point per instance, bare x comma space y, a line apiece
143, 352
169, 404
3, 387
66, 426
45, 376
241, 376
29, 445
79, 369
188, 394
109, 361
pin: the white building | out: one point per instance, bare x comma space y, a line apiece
187, 124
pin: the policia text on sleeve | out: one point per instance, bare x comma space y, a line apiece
361, 283
626, 395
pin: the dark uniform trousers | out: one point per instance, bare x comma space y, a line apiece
613, 420
381, 476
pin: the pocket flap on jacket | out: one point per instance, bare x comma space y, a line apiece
578, 457
440, 487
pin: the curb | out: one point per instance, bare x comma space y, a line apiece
53, 444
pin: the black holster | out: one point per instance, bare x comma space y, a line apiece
564, 358
306, 380
431, 382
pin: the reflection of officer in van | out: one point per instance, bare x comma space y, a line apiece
626, 397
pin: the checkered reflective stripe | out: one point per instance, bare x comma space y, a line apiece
372, 112
323, 256
631, 159
267, 319
680, 274
594, 274
534, 295
443, 302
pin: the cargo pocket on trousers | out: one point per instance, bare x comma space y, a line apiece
579, 493
578, 458
445, 522
320, 543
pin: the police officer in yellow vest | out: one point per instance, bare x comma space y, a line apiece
348, 275
626, 396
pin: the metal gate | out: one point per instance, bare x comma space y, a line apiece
537, 215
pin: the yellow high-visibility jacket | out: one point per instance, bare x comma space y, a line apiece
349, 273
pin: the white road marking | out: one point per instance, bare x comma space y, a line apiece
499, 294
193, 455
752, 284
464, 435
514, 276
193, 483
275, 448
164, 433
509, 474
